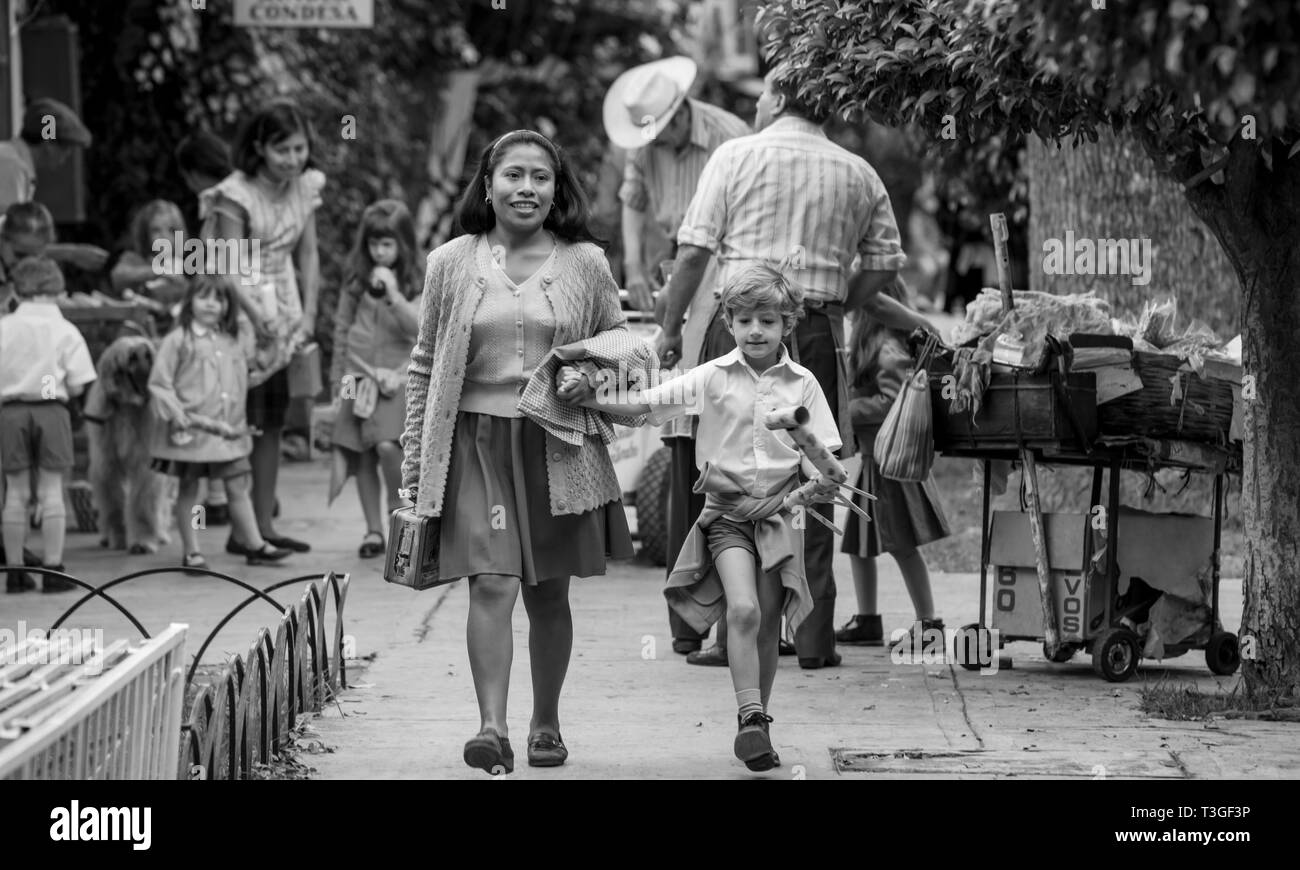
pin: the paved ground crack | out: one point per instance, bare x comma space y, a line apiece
965, 713
426, 624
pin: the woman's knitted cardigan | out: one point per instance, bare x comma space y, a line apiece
584, 299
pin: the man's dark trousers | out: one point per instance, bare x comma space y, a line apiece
684, 505
815, 637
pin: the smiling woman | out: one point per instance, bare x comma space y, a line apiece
526, 500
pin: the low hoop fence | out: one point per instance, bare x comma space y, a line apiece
244, 716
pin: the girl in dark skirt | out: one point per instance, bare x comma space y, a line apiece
904, 515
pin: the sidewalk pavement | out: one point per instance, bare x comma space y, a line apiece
633, 709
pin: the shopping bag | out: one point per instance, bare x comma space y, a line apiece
412, 554
904, 447
304, 373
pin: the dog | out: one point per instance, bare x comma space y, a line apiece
133, 500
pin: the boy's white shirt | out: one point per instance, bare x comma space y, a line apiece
732, 401
36, 342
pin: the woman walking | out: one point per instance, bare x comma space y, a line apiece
271, 198
523, 483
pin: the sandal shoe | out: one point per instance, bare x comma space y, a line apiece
490, 752
785, 648
713, 657
753, 743
372, 545
194, 560
546, 750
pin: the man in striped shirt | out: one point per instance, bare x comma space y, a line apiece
672, 137
789, 197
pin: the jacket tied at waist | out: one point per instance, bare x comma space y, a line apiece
694, 588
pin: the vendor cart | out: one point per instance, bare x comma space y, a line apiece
1086, 609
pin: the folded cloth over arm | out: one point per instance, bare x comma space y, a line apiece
615, 350
694, 588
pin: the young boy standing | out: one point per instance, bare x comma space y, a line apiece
44, 362
744, 556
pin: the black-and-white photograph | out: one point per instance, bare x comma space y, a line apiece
858, 390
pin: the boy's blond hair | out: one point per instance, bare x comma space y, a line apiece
37, 276
762, 286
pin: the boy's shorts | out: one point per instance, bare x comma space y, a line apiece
724, 534
35, 435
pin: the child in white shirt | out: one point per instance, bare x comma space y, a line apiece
745, 552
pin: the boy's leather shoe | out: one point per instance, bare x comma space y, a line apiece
753, 744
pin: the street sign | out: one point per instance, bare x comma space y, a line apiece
305, 13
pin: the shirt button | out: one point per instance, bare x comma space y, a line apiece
561, 505
519, 323
556, 456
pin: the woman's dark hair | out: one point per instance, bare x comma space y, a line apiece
869, 334
570, 212
386, 219
201, 285
270, 124
204, 153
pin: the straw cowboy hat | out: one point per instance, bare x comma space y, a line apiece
643, 99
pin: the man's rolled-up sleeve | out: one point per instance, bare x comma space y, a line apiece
881, 246
705, 223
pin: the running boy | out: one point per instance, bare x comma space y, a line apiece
44, 362
744, 553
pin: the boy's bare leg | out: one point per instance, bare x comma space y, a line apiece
54, 517
737, 570
771, 598
491, 645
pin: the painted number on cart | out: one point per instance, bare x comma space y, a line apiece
1004, 597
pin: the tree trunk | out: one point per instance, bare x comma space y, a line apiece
1110, 190
1256, 216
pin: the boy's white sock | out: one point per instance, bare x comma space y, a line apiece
749, 701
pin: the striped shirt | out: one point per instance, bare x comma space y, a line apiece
788, 193
662, 180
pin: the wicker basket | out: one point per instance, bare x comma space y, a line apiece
1203, 411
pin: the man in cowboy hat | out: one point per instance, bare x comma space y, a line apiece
670, 138
822, 210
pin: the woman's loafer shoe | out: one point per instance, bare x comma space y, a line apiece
268, 555
490, 752
546, 750
289, 544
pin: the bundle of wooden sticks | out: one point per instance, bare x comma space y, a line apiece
827, 488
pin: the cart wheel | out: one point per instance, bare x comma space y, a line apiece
1115, 654
968, 653
1222, 653
652, 506
1064, 652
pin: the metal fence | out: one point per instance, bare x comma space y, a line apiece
85, 713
